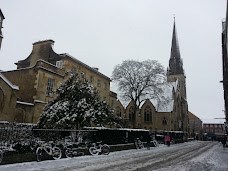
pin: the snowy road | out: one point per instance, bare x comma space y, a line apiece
190, 156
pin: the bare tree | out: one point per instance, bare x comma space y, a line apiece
138, 81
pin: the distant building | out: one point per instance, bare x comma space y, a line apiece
213, 131
195, 126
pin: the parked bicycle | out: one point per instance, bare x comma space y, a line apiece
72, 150
3, 150
99, 148
138, 144
49, 149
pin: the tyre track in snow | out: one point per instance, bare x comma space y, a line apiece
147, 160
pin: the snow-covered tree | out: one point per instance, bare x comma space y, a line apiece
77, 104
138, 81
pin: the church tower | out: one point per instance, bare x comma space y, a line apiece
175, 70
1, 21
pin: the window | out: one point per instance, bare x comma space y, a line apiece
83, 75
147, 114
164, 121
91, 79
112, 103
59, 64
105, 85
73, 70
50, 86
98, 83
131, 114
118, 111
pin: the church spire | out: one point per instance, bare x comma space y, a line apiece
175, 61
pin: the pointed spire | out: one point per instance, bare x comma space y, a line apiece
175, 61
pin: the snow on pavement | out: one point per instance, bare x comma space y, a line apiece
214, 159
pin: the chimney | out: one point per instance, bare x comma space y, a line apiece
96, 68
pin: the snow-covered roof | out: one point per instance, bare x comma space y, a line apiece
123, 129
8, 82
39, 101
91, 68
25, 103
165, 102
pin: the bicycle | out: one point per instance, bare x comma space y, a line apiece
72, 150
138, 144
99, 148
55, 152
155, 142
5, 149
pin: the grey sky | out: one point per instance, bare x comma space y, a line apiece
103, 33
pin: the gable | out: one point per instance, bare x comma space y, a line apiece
7, 82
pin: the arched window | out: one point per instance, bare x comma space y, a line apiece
147, 114
118, 111
19, 115
131, 114
164, 121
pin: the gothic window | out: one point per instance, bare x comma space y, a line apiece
50, 86
147, 114
118, 111
19, 116
164, 121
131, 114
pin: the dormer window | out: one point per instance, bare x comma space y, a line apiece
59, 64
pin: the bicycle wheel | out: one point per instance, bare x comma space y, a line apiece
1, 156
68, 153
141, 145
38, 154
93, 151
105, 149
56, 153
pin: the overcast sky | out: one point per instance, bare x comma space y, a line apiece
103, 33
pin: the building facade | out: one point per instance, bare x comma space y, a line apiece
195, 126
213, 131
225, 66
1, 26
171, 115
28, 88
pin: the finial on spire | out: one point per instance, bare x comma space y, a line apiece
174, 17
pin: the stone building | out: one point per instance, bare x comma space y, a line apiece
195, 126
171, 115
213, 131
25, 91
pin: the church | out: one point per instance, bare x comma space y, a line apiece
154, 115
26, 90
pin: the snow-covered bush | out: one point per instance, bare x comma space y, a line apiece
77, 105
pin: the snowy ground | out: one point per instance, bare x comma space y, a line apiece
190, 156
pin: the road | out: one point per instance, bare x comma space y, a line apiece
190, 156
